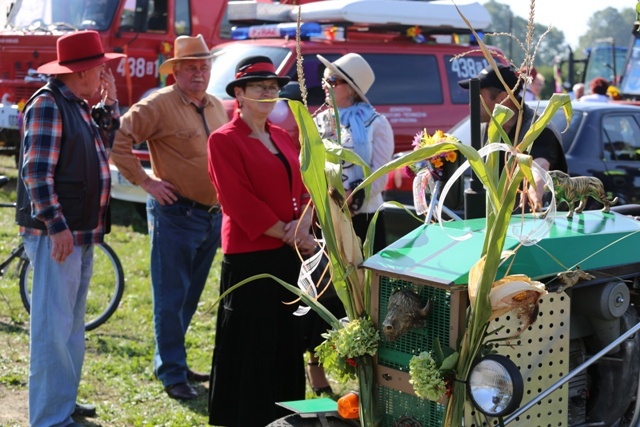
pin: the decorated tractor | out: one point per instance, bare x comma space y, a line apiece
520, 319
557, 355
563, 350
526, 316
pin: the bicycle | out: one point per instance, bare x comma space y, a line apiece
107, 281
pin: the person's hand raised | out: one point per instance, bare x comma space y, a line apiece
108, 92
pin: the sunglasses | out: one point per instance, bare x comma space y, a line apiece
334, 81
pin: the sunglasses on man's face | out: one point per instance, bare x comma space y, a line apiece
334, 81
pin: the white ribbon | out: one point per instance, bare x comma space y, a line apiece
527, 232
305, 281
423, 183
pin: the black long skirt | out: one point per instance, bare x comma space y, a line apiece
258, 355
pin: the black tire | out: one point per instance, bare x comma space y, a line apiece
298, 421
615, 379
107, 283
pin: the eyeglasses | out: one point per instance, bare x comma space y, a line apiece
262, 88
334, 81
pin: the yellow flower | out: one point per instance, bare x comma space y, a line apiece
414, 31
423, 139
614, 92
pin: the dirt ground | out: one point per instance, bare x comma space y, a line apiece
13, 407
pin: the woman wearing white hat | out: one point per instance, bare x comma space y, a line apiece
367, 133
362, 130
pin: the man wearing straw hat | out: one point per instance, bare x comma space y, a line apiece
63, 195
183, 212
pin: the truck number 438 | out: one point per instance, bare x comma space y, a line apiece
138, 67
465, 68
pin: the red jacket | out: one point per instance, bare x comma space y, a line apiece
253, 185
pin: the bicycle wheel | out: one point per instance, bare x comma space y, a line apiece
105, 289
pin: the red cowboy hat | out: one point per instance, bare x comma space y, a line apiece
78, 51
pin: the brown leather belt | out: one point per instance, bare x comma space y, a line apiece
193, 204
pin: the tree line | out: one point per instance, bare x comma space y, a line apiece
508, 32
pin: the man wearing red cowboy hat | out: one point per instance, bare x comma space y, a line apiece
63, 195
183, 213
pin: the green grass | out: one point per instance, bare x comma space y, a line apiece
118, 371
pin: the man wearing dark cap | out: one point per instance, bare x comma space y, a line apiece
63, 195
546, 150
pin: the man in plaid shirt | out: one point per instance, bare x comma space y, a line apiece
63, 198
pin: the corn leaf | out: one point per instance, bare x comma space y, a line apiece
336, 152
501, 115
474, 159
557, 101
321, 173
325, 314
313, 165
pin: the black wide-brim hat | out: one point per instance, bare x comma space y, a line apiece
255, 68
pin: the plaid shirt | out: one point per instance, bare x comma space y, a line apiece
41, 145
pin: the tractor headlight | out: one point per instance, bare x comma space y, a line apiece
495, 386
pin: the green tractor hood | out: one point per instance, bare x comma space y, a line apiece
440, 256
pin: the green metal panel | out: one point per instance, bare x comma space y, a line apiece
435, 255
401, 409
322, 405
397, 354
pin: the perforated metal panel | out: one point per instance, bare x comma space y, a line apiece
542, 354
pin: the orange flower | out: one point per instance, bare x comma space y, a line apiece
451, 156
436, 162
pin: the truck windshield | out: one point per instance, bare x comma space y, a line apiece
631, 76
605, 60
224, 64
57, 15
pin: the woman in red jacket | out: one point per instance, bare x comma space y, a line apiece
255, 168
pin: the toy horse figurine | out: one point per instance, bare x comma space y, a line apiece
579, 188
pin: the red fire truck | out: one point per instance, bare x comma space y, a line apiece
142, 29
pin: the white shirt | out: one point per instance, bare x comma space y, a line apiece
380, 135
595, 97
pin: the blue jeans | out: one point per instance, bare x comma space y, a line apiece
184, 241
58, 301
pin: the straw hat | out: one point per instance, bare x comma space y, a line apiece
76, 52
353, 69
255, 68
186, 47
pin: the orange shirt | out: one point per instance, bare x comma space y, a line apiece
176, 138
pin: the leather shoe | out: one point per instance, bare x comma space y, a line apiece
197, 377
181, 391
84, 410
